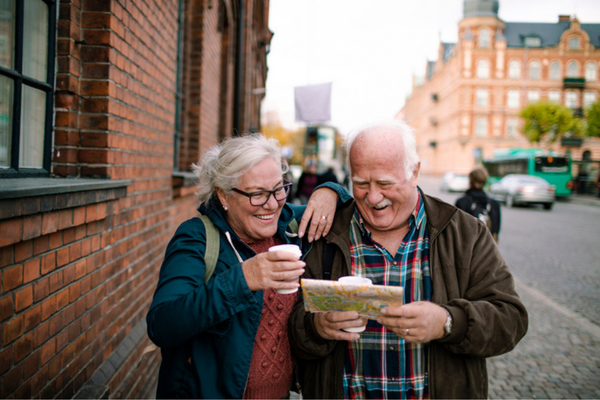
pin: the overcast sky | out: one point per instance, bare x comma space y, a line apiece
370, 49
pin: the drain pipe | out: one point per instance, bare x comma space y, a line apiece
239, 72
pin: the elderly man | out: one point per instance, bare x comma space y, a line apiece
460, 304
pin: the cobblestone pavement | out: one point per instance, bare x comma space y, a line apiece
559, 357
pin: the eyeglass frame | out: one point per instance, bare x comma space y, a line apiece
286, 185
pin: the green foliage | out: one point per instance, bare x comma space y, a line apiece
272, 127
545, 120
592, 115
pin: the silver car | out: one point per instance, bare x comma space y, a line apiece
523, 189
453, 182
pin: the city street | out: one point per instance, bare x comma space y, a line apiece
554, 258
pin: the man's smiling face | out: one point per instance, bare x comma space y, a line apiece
383, 194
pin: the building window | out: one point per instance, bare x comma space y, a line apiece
481, 97
483, 69
512, 127
555, 71
554, 96
533, 41
571, 99
481, 126
513, 99
574, 43
591, 72
589, 98
572, 70
533, 96
26, 86
534, 70
514, 69
484, 38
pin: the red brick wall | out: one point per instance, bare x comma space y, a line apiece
78, 269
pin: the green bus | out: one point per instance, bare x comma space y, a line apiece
546, 164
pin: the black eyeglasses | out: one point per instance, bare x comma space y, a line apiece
260, 198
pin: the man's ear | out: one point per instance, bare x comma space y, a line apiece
416, 172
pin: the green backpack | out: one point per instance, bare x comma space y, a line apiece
212, 244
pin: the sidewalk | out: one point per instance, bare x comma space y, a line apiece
559, 358
583, 199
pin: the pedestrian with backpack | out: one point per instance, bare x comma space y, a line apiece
216, 314
477, 203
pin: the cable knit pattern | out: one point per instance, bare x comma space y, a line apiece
272, 366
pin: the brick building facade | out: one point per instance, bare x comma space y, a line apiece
467, 105
94, 176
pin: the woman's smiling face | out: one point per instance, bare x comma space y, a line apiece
252, 223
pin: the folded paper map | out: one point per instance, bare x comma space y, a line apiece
367, 300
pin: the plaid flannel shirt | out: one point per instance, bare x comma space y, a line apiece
380, 364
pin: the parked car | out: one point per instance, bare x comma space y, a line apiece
453, 182
517, 189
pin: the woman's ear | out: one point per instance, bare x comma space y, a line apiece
222, 197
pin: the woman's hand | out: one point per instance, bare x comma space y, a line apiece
273, 270
319, 211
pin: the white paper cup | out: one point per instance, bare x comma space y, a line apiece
355, 280
290, 248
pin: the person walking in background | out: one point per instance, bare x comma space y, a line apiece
477, 203
228, 337
307, 182
327, 176
460, 304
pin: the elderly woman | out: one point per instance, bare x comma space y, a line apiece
228, 337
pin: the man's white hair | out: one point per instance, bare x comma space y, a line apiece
398, 128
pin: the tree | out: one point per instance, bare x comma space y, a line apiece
272, 127
592, 115
550, 121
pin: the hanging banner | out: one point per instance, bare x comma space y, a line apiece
313, 103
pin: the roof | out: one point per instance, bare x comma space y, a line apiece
549, 33
448, 51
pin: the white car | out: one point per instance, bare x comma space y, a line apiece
453, 182
516, 189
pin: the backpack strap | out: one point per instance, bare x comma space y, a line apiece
328, 255
212, 247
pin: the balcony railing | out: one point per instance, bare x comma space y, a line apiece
574, 82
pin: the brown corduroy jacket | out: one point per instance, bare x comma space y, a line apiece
469, 277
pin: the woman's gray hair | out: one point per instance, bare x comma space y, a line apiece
222, 165
399, 128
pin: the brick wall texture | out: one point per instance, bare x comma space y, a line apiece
78, 270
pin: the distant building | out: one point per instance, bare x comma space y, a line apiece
104, 105
468, 103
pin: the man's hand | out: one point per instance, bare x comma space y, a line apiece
418, 322
329, 325
319, 211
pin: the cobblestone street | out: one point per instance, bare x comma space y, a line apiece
558, 358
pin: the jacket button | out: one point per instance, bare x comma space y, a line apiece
280, 306
274, 349
280, 334
271, 322
276, 375
282, 359
265, 364
271, 296
263, 337
395, 263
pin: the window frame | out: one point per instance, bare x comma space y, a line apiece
574, 43
482, 126
514, 66
480, 69
535, 70
554, 73
513, 94
19, 82
482, 97
571, 100
591, 71
572, 73
484, 39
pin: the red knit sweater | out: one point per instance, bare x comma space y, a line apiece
272, 366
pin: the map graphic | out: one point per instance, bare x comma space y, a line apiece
367, 300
